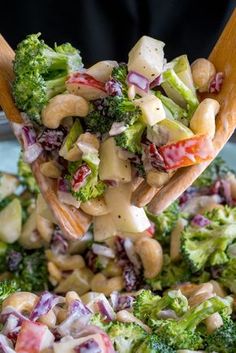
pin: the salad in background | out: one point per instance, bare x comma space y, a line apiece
108, 292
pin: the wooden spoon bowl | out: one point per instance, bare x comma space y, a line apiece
223, 56
73, 222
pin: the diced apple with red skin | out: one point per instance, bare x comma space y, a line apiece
85, 86
33, 338
99, 340
193, 150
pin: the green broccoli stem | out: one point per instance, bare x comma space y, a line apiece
55, 86
175, 82
173, 300
55, 60
176, 111
197, 314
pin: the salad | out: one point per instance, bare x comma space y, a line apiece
112, 135
169, 290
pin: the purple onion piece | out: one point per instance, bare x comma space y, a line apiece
73, 324
79, 307
222, 187
5, 345
46, 302
105, 310
59, 244
89, 346
28, 135
216, 83
121, 302
113, 88
117, 128
200, 221
156, 82
138, 80
32, 152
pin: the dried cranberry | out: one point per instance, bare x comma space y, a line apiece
130, 277
89, 346
200, 221
80, 176
51, 140
14, 258
124, 302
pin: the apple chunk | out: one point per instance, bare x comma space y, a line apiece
152, 109
33, 338
85, 86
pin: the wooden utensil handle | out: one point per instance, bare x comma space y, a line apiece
6, 77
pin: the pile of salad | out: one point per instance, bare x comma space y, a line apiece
113, 134
172, 289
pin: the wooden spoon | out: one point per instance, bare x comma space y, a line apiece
223, 56
73, 222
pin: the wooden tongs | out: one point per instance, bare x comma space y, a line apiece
223, 56
73, 222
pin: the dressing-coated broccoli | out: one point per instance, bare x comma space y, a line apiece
7, 287
147, 306
183, 333
154, 344
98, 321
111, 109
131, 138
119, 74
222, 340
126, 336
41, 72
202, 246
228, 275
165, 222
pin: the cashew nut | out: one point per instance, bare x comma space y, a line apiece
156, 178
54, 272
95, 207
213, 322
203, 71
106, 286
64, 262
102, 70
50, 169
199, 298
23, 302
126, 316
62, 106
151, 254
143, 194
44, 227
203, 120
48, 319
71, 296
175, 240
218, 289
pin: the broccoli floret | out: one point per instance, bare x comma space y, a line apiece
165, 222
28, 268
183, 333
154, 344
130, 139
41, 72
108, 110
147, 306
119, 74
7, 287
216, 170
26, 176
98, 321
126, 336
207, 245
222, 216
228, 275
93, 187
222, 340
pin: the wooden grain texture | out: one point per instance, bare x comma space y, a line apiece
73, 222
224, 58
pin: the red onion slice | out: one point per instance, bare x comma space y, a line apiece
89, 346
138, 80
216, 83
106, 310
46, 302
130, 251
5, 345
32, 153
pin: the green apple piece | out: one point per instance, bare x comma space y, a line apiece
176, 111
152, 109
127, 217
147, 57
11, 221
111, 167
183, 69
176, 130
75, 131
8, 185
101, 232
